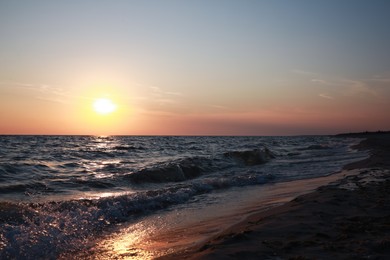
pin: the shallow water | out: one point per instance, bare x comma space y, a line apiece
62, 193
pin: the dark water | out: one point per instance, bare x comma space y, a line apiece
57, 192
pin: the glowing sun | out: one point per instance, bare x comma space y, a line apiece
104, 106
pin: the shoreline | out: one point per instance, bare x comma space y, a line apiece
153, 238
349, 218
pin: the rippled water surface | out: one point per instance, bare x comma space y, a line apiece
58, 191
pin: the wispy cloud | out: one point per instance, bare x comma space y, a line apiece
385, 78
163, 97
158, 91
304, 72
359, 87
325, 96
156, 99
219, 107
42, 91
347, 87
326, 82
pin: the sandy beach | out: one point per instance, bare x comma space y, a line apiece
346, 219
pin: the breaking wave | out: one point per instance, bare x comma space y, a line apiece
253, 157
45, 230
192, 167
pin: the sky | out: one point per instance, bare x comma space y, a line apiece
202, 67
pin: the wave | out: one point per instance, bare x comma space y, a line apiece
128, 148
193, 167
181, 170
253, 157
315, 147
46, 230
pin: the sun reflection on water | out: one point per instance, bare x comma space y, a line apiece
128, 243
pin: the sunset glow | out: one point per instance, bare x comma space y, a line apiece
259, 68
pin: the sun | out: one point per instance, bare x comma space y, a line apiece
104, 106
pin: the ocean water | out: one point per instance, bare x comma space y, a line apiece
60, 194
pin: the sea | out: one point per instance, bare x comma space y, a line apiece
61, 195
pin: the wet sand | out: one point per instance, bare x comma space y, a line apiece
347, 219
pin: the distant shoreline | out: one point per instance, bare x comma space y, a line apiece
363, 134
